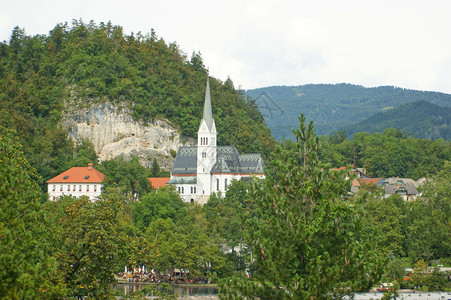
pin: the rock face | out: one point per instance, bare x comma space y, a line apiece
114, 133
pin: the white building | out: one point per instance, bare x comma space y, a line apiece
207, 168
76, 182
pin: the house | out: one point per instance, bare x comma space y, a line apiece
405, 187
158, 182
76, 182
207, 168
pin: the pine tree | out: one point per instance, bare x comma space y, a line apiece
305, 238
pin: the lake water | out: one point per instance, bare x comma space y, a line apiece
181, 290
198, 291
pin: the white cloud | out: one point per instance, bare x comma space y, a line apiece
262, 43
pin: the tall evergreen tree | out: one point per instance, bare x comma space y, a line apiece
306, 239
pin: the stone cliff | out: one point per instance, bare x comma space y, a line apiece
114, 132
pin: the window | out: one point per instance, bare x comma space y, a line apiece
191, 190
54, 187
206, 141
79, 187
194, 190
179, 189
225, 184
74, 188
95, 188
217, 184
68, 187
61, 188
204, 154
87, 187
182, 190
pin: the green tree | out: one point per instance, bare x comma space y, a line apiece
420, 273
161, 204
306, 239
26, 269
89, 243
382, 222
128, 175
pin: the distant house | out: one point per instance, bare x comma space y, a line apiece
76, 182
405, 187
358, 172
363, 183
158, 182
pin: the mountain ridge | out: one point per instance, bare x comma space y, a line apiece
332, 106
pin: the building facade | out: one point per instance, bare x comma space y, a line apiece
76, 182
204, 169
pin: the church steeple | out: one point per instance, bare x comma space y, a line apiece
206, 146
208, 115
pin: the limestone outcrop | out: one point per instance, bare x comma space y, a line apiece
114, 132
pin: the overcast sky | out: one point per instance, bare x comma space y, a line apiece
263, 43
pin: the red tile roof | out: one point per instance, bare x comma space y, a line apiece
79, 175
366, 181
158, 182
355, 182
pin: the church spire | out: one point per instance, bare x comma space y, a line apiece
208, 115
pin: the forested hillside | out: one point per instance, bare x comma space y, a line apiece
83, 63
420, 119
337, 106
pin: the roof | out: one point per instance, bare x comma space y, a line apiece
158, 182
208, 115
407, 188
369, 181
79, 175
401, 181
228, 160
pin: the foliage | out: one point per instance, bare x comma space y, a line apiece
185, 245
339, 106
129, 176
88, 242
438, 280
382, 222
420, 273
388, 154
161, 204
306, 240
396, 270
429, 229
26, 268
420, 119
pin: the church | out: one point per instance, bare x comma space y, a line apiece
204, 169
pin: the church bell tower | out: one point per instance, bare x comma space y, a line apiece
206, 146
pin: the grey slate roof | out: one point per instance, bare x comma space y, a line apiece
228, 160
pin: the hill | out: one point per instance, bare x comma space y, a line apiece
332, 106
420, 119
42, 77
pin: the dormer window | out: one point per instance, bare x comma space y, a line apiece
87, 177
65, 177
